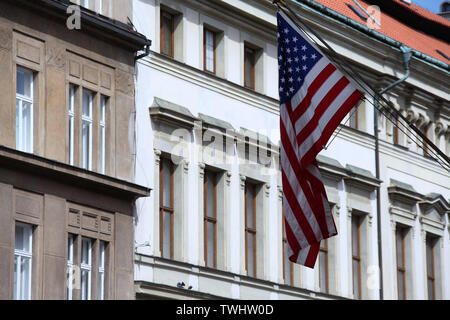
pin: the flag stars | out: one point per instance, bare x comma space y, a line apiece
299, 79
296, 59
304, 57
290, 70
291, 79
286, 30
286, 40
294, 39
305, 68
313, 56
295, 49
289, 60
304, 48
291, 89
288, 50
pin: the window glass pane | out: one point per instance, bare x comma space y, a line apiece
25, 278
250, 206
250, 254
87, 103
355, 226
399, 237
209, 50
210, 243
249, 61
86, 132
23, 237
401, 284
167, 181
85, 285
323, 271
101, 262
16, 280
167, 236
210, 194
86, 251
102, 149
356, 279
101, 284
167, 33
26, 126
103, 108
19, 237
24, 82
429, 257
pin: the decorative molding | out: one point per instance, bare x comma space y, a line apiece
201, 170
280, 193
228, 178
56, 56
242, 180
267, 189
185, 165
157, 156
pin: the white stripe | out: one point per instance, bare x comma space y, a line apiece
288, 126
325, 119
316, 100
303, 255
299, 194
310, 77
293, 224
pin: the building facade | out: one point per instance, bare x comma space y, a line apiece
208, 145
66, 150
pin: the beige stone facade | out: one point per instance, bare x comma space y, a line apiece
49, 188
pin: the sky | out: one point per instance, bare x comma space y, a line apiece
432, 5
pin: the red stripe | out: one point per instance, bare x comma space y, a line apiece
297, 210
312, 255
320, 212
300, 175
312, 89
292, 241
329, 129
321, 108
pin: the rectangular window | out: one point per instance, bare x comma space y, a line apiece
86, 268
70, 266
209, 50
103, 104
400, 235
167, 33
166, 209
249, 67
288, 266
101, 271
431, 279
71, 113
323, 266
86, 130
426, 151
23, 253
250, 229
356, 256
396, 130
210, 219
24, 110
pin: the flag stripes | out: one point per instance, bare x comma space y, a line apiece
314, 98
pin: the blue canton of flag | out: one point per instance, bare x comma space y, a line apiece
296, 57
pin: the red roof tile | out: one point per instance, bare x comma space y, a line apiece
397, 30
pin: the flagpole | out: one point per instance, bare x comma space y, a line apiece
368, 87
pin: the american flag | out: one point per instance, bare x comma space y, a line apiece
314, 98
